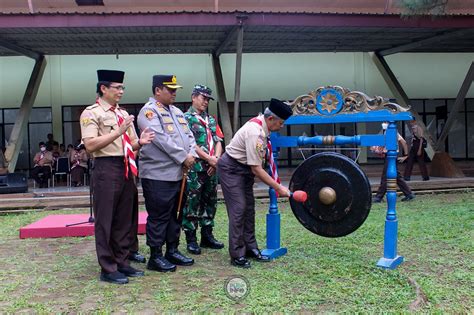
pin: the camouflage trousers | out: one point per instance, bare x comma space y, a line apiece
201, 203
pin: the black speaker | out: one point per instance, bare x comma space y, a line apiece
13, 183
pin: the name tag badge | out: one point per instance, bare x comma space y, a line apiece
181, 120
167, 119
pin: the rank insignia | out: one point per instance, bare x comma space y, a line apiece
149, 114
86, 119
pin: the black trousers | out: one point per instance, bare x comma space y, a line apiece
412, 157
46, 170
237, 181
133, 237
383, 183
113, 208
161, 201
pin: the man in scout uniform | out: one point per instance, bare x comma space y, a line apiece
243, 160
162, 165
43, 161
201, 204
109, 135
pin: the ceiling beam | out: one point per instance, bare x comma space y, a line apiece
229, 38
423, 42
20, 50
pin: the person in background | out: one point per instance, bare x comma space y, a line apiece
417, 153
43, 162
409, 195
78, 160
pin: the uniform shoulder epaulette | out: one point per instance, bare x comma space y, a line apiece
92, 106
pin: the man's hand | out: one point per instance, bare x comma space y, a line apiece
212, 161
283, 191
402, 159
211, 171
127, 123
189, 162
147, 136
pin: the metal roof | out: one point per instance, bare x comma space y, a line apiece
208, 32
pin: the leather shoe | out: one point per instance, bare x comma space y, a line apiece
193, 248
129, 271
179, 259
257, 255
161, 264
240, 262
409, 197
137, 257
114, 277
376, 200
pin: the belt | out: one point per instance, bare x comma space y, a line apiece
112, 158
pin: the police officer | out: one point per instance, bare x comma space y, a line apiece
107, 131
243, 160
201, 204
162, 165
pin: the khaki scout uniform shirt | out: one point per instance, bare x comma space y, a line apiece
249, 144
43, 158
98, 120
163, 158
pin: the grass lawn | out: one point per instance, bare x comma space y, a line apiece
317, 275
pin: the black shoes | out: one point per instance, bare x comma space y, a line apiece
193, 248
131, 272
192, 245
208, 240
175, 257
257, 255
137, 257
376, 199
409, 197
159, 263
114, 277
240, 262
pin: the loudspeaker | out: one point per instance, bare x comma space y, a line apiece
13, 183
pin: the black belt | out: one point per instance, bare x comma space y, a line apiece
112, 158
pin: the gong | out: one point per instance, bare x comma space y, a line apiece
339, 195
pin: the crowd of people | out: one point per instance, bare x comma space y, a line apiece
46, 159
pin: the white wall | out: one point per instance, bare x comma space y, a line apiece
71, 80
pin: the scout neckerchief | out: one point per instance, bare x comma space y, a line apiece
77, 157
209, 140
129, 156
269, 155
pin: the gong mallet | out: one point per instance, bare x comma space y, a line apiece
299, 195
181, 192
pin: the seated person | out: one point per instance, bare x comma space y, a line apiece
78, 158
43, 161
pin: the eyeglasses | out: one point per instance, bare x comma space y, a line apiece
118, 87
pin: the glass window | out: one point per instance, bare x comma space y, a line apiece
430, 105
41, 115
72, 113
457, 138
470, 135
23, 162
417, 105
10, 115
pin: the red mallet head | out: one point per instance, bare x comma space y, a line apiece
299, 195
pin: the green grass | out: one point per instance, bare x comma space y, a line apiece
317, 275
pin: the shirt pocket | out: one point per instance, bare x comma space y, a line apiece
109, 125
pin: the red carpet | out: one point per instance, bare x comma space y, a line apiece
55, 226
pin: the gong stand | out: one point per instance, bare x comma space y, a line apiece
337, 205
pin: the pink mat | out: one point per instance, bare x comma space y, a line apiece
55, 226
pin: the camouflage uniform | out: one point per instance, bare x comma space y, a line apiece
202, 188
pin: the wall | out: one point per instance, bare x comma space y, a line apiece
71, 80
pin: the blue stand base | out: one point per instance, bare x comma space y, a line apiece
388, 263
274, 253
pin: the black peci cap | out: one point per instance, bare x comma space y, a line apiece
110, 76
280, 109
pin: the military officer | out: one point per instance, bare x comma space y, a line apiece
162, 165
108, 134
243, 160
201, 204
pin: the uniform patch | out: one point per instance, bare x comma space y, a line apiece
167, 119
181, 120
260, 147
86, 118
149, 114
170, 128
